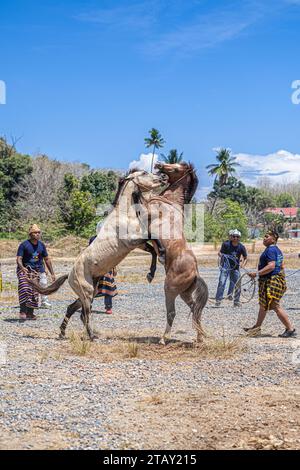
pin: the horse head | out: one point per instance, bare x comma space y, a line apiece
180, 174
143, 183
147, 182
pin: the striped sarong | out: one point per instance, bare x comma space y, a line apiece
107, 285
271, 289
26, 293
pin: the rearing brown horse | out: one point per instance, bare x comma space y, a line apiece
182, 275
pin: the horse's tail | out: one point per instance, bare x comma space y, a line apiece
49, 289
200, 298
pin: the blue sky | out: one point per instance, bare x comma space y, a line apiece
86, 80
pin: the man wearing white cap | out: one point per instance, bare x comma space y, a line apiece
230, 255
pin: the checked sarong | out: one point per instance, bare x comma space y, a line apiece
271, 289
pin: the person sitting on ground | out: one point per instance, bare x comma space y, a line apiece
230, 256
30, 263
272, 286
106, 285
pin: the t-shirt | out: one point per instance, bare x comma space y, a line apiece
227, 248
271, 253
33, 255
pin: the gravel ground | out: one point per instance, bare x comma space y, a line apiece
125, 391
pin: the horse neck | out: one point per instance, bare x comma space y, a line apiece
175, 194
125, 203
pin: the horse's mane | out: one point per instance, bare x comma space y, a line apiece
192, 187
121, 183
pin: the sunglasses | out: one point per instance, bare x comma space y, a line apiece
235, 236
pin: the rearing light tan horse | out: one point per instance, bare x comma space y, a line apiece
182, 275
120, 234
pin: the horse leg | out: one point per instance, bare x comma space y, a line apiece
85, 317
70, 311
188, 299
170, 306
149, 249
82, 282
161, 251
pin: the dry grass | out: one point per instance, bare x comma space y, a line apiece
220, 348
79, 343
153, 399
127, 346
43, 356
131, 350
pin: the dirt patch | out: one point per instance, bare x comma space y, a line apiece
213, 418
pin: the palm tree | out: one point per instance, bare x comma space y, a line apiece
225, 166
156, 140
173, 157
221, 170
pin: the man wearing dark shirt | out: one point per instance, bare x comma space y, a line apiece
30, 262
230, 256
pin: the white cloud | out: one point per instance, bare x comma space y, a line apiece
281, 166
144, 163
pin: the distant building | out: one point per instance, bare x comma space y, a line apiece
294, 233
287, 212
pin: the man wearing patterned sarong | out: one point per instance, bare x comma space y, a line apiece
30, 263
272, 286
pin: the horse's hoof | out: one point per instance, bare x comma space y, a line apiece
92, 338
162, 341
61, 337
150, 278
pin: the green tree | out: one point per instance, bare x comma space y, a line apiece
222, 170
102, 185
71, 182
81, 211
13, 168
225, 166
154, 140
285, 200
233, 189
274, 221
230, 215
172, 157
